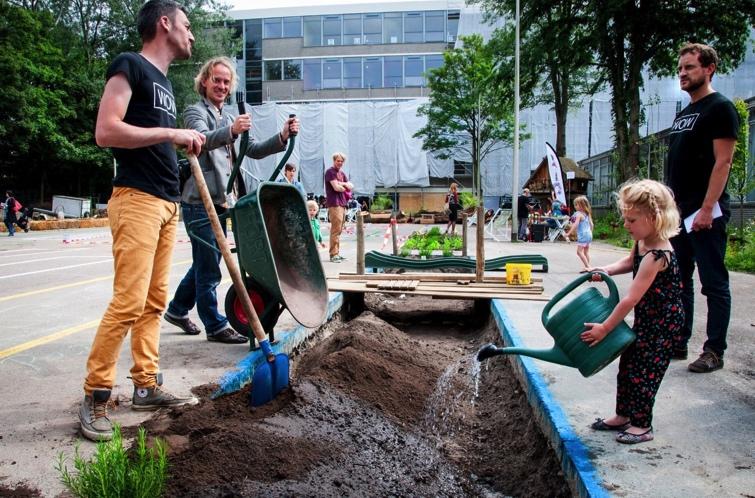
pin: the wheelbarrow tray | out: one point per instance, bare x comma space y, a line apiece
275, 244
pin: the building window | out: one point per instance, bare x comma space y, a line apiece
393, 28
414, 68
394, 75
452, 26
462, 168
272, 27
312, 31
331, 73
292, 69
292, 27
413, 27
352, 73
435, 26
373, 28
331, 30
432, 62
273, 71
312, 74
352, 29
373, 72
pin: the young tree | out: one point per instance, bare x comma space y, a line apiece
741, 178
470, 111
557, 61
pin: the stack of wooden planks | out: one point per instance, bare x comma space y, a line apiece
438, 285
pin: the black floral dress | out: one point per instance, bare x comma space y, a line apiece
658, 320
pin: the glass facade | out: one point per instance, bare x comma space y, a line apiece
253, 60
358, 29
355, 72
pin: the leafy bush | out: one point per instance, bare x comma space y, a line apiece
468, 200
432, 240
610, 228
381, 203
111, 473
740, 252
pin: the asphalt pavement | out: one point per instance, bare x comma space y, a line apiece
54, 287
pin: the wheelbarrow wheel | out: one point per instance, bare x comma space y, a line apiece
267, 308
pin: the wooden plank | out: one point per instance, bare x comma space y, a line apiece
338, 285
450, 286
427, 277
480, 290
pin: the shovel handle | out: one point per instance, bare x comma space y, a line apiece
233, 269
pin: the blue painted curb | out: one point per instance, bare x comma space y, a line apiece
288, 341
575, 461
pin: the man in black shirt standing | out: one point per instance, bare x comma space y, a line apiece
137, 119
523, 208
701, 148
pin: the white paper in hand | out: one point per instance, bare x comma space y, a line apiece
689, 219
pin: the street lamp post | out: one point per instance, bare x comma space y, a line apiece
515, 175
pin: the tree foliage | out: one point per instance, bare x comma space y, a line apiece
741, 178
470, 109
54, 54
557, 61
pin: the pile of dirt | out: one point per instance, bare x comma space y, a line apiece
373, 410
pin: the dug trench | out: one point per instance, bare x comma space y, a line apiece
386, 404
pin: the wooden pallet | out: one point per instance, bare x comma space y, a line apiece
437, 285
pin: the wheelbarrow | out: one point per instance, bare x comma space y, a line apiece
277, 254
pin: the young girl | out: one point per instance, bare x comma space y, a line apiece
651, 218
313, 208
582, 225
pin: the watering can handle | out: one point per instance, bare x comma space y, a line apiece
613, 292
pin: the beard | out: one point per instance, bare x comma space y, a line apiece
694, 85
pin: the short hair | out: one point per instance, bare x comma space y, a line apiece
705, 54
525, 189
336, 155
151, 12
206, 72
9, 192
290, 167
656, 199
312, 204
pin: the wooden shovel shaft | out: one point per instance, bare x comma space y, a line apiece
233, 269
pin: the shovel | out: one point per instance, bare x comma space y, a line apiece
271, 377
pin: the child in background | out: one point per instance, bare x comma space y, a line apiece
582, 225
312, 208
651, 218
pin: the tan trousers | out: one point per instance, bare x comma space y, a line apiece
144, 232
335, 215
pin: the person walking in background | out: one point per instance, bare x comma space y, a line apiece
701, 148
651, 218
582, 225
523, 208
452, 201
312, 209
221, 125
289, 176
12, 206
137, 119
337, 186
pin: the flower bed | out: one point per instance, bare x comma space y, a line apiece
431, 243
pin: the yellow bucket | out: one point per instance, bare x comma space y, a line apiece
518, 273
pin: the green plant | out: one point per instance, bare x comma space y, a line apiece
610, 228
468, 200
381, 203
112, 473
740, 252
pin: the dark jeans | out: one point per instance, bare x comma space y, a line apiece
9, 224
706, 248
523, 228
199, 285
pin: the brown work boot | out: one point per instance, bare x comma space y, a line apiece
709, 361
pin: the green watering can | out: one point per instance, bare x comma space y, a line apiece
568, 323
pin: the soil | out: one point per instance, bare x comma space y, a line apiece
386, 404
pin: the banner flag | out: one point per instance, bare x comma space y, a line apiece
554, 168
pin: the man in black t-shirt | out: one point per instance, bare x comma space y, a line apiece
701, 148
137, 119
523, 206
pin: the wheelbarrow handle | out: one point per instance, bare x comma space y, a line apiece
225, 251
291, 140
243, 146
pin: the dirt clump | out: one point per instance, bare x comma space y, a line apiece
373, 410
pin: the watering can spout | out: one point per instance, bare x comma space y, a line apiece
553, 355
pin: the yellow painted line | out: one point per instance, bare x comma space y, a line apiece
47, 339
68, 286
